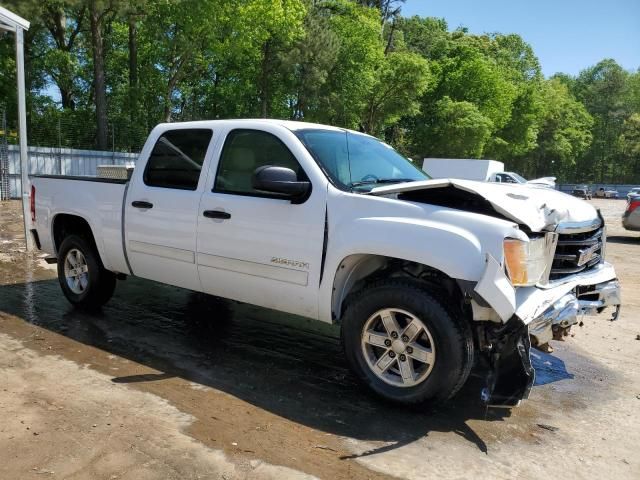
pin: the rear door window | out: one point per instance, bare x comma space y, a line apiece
177, 158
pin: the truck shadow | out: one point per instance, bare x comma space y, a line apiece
286, 365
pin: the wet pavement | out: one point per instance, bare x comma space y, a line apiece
260, 385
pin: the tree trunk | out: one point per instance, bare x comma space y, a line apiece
387, 49
66, 97
214, 101
171, 85
99, 83
133, 69
167, 108
264, 80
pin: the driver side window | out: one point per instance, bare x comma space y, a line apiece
246, 150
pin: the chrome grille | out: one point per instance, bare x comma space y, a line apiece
577, 252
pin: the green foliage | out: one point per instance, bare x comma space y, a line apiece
630, 137
8, 77
629, 145
360, 64
565, 133
358, 57
458, 130
496, 75
309, 62
467, 75
633, 84
603, 89
428, 37
521, 67
402, 78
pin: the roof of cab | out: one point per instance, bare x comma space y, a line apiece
290, 124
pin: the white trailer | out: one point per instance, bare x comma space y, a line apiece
478, 170
464, 168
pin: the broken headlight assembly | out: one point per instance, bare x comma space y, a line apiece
528, 261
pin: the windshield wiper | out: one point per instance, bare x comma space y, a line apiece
381, 181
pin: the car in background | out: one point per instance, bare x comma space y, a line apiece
480, 171
582, 192
606, 193
513, 177
631, 215
633, 192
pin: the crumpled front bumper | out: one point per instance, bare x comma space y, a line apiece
561, 306
534, 303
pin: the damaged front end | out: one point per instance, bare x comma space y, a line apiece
549, 272
578, 282
510, 374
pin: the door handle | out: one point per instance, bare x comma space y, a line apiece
216, 214
141, 204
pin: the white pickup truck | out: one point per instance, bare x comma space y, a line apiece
427, 278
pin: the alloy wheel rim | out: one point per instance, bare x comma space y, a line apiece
76, 271
398, 347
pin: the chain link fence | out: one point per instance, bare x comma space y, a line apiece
77, 130
63, 143
5, 192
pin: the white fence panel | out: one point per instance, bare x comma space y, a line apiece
62, 161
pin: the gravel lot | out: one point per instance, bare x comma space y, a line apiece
164, 383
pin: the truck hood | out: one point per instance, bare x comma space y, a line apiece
539, 208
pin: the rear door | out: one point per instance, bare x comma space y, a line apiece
261, 249
162, 208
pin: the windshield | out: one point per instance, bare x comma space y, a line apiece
355, 161
519, 178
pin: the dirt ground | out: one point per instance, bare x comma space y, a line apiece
165, 383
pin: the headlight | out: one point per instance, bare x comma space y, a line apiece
527, 261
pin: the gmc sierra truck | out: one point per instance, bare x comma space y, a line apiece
427, 278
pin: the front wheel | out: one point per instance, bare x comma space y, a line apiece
83, 279
404, 345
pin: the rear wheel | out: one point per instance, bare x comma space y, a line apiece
404, 345
83, 279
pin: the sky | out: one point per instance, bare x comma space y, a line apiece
566, 35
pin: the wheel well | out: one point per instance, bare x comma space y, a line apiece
357, 271
65, 225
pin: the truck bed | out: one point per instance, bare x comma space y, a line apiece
98, 200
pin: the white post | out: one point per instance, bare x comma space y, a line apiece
22, 132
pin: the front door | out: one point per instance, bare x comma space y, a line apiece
162, 208
258, 248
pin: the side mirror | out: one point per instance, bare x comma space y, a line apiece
280, 180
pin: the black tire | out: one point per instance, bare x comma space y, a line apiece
451, 336
101, 282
